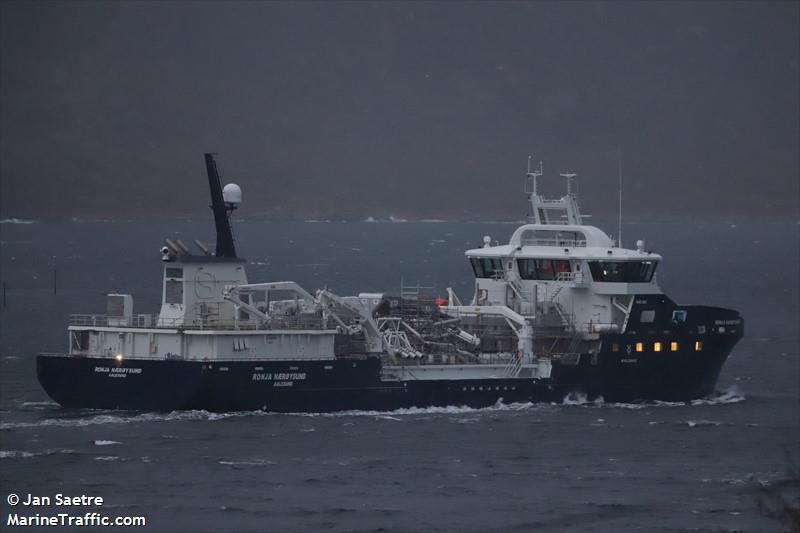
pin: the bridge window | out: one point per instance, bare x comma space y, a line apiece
542, 269
560, 266
647, 316
486, 267
623, 271
527, 268
552, 238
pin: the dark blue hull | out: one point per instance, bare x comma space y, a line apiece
355, 384
662, 359
290, 386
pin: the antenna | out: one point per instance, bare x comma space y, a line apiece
534, 174
528, 176
619, 229
203, 247
570, 177
182, 246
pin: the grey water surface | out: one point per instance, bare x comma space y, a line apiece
571, 466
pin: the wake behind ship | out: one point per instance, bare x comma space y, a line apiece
560, 308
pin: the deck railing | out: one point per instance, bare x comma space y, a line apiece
154, 322
563, 243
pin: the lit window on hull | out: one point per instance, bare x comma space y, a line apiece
673, 346
698, 346
615, 347
657, 346
639, 346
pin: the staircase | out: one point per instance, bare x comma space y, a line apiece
513, 367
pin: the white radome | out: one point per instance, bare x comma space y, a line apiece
232, 194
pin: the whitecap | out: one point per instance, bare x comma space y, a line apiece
15, 454
575, 398
252, 462
732, 394
105, 442
15, 220
37, 406
107, 458
391, 218
701, 423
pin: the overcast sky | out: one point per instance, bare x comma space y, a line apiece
426, 110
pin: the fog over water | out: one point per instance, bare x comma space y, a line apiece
416, 110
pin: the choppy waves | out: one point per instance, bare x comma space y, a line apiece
16, 454
175, 416
729, 396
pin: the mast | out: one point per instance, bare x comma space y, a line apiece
222, 211
619, 228
565, 210
537, 215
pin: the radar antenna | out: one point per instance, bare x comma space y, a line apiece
570, 180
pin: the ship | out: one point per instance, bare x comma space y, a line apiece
560, 309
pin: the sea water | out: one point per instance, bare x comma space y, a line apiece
575, 465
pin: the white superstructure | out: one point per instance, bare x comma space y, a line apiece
548, 293
558, 283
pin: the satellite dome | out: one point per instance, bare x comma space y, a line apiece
232, 194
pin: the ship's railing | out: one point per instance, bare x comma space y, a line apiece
134, 321
154, 322
575, 277
564, 243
